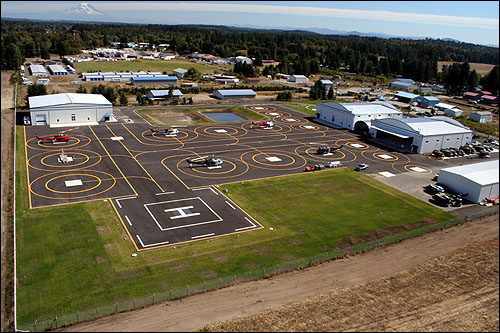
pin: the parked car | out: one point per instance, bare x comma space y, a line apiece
437, 153
27, 120
433, 189
360, 167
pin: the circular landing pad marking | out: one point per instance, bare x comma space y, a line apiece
222, 130
357, 145
269, 165
52, 161
85, 174
262, 108
217, 173
74, 142
156, 137
334, 156
388, 157
417, 169
292, 120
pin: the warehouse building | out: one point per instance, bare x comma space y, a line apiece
298, 79
420, 135
453, 112
427, 101
354, 116
69, 109
404, 86
327, 84
235, 93
57, 70
38, 70
158, 95
406, 97
478, 181
481, 116
158, 80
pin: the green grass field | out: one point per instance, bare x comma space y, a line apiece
307, 106
140, 65
75, 257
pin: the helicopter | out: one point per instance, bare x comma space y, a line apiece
324, 149
58, 138
208, 161
166, 131
263, 124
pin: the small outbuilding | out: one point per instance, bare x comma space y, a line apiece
478, 181
481, 116
453, 112
406, 97
57, 70
298, 79
69, 109
179, 72
405, 86
427, 100
234, 93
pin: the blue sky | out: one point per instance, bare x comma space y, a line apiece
469, 21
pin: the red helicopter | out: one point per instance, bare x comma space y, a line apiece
263, 124
61, 137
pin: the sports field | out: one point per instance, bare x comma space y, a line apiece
140, 65
76, 257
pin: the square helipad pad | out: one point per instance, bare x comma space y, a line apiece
385, 157
356, 145
417, 169
273, 159
76, 182
220, 131
386, 174
258, 108
274, 114
289, 119
309, 127
117, 138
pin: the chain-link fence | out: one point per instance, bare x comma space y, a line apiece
221, 282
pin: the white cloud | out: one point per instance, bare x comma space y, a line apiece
381, 15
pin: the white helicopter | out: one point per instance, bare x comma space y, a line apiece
166, 131
208, 161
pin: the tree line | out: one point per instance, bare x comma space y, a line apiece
298, 52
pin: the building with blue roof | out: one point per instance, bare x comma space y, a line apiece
157, 80
420, 135
427, 100
406, 97
405, 86
234, 93
163, 94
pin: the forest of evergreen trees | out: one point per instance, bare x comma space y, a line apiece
299, 52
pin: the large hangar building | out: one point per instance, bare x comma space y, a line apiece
354, 116
420, 135
478, 180
69, 109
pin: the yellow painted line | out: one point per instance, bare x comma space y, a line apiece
123, 224
166, 167
112, 160
154, 181
77, 202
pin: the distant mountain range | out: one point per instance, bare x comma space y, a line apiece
85, 12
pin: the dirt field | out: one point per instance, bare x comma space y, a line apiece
481, 69
442, 281
7, 218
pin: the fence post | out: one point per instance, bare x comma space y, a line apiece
134, 303
204, 285
78, 316
56, 321
116, 308
153, 298
170, 293
34, 327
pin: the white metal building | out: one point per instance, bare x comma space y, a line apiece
479, 180
405, 86
420, 135
354, 116
69, 109
298, 79
163, 94
481, 116
57, 70
38, 70
158, 80
235, 93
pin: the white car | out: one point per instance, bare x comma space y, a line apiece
360, 167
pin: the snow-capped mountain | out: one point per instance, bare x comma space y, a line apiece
84, 9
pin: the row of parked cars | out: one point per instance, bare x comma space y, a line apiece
442, 198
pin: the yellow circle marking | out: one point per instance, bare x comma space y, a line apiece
73, 174
57, 146
211, 174
65, 165
263, 167
274, 164
394, 157
407, 168
61, 166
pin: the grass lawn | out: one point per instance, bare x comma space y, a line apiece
76, 257
140, 65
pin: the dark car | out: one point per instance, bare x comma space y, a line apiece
437, 153
446, 152
433, 189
